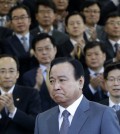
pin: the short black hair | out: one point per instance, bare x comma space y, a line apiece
42, 36
73, 14
47, 3
112, 15
18, 6
110, 67
87, 4
78, 68
92, 44
13, 57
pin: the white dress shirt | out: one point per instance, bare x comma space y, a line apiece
71, 109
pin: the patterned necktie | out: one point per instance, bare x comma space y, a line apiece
116, 107
24, 43
65, 124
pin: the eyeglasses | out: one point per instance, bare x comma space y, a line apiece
7, 3
20, 18
113, 79
92, 11
114, 23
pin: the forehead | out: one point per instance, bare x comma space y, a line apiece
114, 72
44, 42
62, 69
113, 18
96, 48
94, 6
19, 11
7, 61
75, 17
44, 7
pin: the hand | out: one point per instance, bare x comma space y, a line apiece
93, 34
96, 81
2, 103
39, 79
8, 101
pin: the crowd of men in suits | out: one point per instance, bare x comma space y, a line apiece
33, 33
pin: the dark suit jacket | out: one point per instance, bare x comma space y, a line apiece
29, 79
89, 118
106, 102
98, 96
109, 49
13, 46
28, 105
59, 37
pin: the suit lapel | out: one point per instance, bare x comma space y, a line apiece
53, 127
80, 117
16, 96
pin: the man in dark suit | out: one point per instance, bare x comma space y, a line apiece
112, 83
66, 83
95, 57
112, 29
91, 10
44, 50
45, 15
19, 44
18, 105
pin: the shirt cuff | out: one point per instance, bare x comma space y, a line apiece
92, 89
115, 2
11, 115
0, 116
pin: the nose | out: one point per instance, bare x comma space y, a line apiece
56, 86
7, 74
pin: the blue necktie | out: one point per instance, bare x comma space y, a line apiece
116, 107
25, 44
65, 124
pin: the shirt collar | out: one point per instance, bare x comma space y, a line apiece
73, 41
10, 90
72, 108
43, 68
111, 103
20, 36
50, 32
93, 72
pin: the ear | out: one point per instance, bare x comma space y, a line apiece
17, 76
81, 82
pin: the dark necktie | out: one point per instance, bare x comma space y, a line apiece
116, 46
65, 124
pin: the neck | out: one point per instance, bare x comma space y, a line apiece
114, 38
96, 69
116, 100
77, 38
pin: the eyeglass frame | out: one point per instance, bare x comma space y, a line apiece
16, 18
112, 79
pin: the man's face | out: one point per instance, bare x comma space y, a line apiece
113, 83
8, 73
61, 4
112, 27
64, 88
75, 26
45, 16
20, 21
92, 14
95, 58
44, 51
5, 6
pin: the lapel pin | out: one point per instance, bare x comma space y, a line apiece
18, 99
